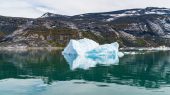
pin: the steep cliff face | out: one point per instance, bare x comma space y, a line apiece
131, 28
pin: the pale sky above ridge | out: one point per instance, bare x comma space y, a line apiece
35, 8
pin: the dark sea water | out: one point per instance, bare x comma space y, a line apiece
42, 72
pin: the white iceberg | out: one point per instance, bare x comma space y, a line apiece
84, 46
105, 50
80, 47
86, 53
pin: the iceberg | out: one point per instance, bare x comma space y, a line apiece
80, 47
86, 53
106, 50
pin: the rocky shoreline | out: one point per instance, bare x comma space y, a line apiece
30, 48
161, 48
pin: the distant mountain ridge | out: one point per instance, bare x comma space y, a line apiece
48, 14
130, 28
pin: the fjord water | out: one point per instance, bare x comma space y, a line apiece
42, 72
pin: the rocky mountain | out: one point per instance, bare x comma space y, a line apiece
131, 28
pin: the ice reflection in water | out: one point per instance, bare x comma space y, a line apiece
86, 62
48, 73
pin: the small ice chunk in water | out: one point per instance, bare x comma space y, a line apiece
86, 53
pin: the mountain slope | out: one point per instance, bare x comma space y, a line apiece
131, 28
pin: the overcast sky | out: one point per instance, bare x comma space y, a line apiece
35, 8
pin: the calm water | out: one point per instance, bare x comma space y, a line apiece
49, 73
